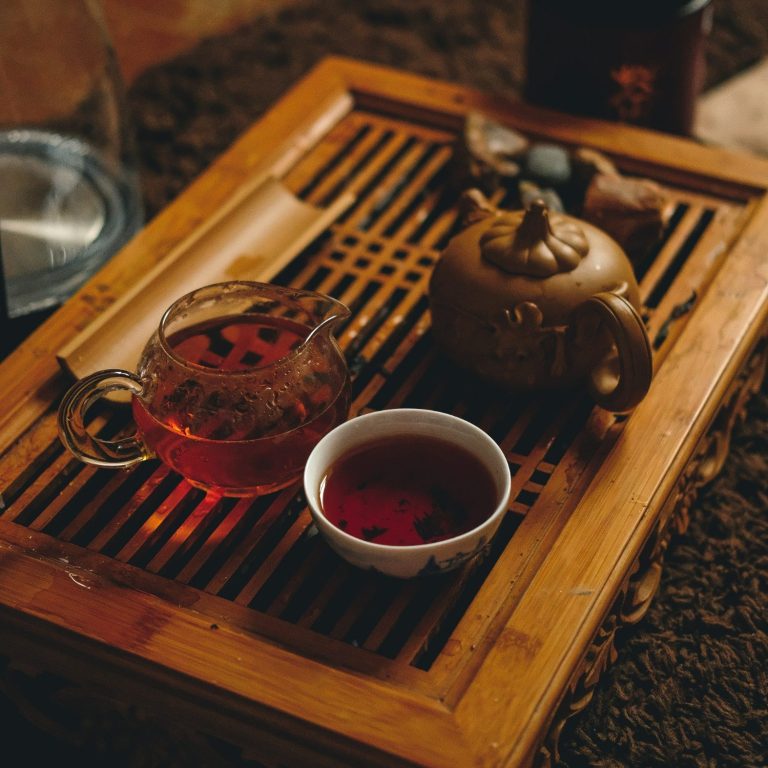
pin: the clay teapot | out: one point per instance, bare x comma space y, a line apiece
536, 300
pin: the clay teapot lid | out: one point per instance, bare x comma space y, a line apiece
502, 258
530, 243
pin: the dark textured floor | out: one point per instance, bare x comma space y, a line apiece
189, 110
690, 685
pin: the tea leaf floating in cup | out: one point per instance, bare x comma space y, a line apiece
405, 492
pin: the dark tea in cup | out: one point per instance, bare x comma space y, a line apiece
406, 491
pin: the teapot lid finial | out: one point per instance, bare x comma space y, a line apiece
535, 224
534, 243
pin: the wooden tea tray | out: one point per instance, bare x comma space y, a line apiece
129, 597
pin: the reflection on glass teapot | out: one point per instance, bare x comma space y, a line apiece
540, 300
233, 390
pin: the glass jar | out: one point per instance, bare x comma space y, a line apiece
70, 195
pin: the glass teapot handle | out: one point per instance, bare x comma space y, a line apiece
621, 380
123, 452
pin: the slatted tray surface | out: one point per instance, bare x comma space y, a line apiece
258, 564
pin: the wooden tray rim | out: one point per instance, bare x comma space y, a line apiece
473, 721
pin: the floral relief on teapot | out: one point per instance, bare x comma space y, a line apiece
540, 300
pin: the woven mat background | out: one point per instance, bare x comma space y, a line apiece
690, 685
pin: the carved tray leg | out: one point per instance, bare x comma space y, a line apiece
642, 582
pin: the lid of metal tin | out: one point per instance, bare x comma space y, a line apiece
613, 13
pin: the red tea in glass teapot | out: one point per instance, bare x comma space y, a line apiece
233, 390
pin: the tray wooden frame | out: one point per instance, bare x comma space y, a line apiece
548, 627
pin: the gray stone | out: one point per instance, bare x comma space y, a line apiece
530, 192
548, 165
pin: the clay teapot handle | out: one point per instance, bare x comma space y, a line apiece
619, 384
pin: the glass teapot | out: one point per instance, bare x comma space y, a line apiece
233, 390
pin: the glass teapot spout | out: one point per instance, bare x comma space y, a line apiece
332, 312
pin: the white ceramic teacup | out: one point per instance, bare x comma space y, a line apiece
409, 560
